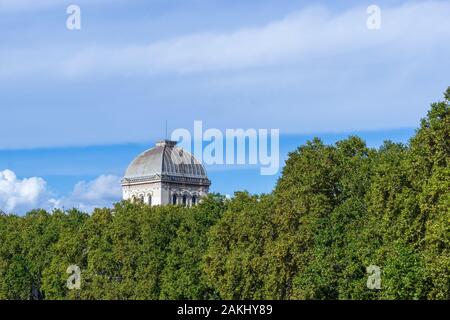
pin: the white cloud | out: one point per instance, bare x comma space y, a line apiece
315, 70
21, 195
307, 34
301, 36
101, 192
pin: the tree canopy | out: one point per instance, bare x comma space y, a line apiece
335, 211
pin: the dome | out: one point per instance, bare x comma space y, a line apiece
165, 160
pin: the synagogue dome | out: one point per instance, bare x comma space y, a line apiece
165, 159
165, 174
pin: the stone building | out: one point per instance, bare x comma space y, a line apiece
165, 174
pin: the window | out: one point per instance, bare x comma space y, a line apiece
194, 200
184, 200
149, 200
174, 199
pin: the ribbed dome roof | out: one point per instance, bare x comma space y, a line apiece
165, 159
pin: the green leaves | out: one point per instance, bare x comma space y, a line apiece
336, 210
235, 263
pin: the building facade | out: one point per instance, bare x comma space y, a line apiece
165, 174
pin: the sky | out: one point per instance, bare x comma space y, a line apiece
78, 105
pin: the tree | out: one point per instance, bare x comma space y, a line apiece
183, 276
430, 171
335, 211
235, 263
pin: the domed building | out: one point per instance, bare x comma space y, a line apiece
165, 174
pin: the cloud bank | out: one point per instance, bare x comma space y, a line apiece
98, 193
21, 195
301, 70
307, 34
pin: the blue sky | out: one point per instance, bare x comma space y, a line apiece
77, 106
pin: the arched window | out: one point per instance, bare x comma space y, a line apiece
194, 200
149, 201
184, 200
141, 197
174, 199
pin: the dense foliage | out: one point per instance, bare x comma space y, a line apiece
334, 211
